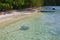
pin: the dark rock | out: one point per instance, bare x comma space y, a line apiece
53, 8
24, 28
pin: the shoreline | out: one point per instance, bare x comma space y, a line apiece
8, 19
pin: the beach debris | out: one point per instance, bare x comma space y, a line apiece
24, 28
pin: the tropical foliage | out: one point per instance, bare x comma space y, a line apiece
51, 2
17, 4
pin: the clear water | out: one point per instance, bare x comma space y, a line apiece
43, 26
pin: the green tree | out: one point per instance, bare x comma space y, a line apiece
37, 3
17, 4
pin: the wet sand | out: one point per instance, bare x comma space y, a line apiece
8, 19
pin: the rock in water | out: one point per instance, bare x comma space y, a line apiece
24, 28
53, 8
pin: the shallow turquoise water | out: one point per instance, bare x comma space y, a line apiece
45, 26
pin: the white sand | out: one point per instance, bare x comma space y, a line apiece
12, 17
14, 14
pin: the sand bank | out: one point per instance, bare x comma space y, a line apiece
7, 19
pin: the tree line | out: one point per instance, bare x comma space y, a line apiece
51, 3
19, 4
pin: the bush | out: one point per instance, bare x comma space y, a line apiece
17, 4
5, 6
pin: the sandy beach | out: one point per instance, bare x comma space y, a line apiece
14, 16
